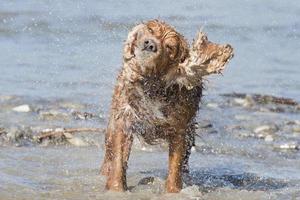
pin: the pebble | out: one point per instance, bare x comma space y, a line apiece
204, 125
266, 128
146, 180
45, 143
13, 134
242, 117
290, 123
239, 101
212, 105
289, 146
193, 149
262, 109
246, 134
2, 130
245, 102
53, 115
82, 116
261, 129
269, 138
192, 191
149, 184
22, 108
6, 97
72, 105
296, 129
262, 135
76, 141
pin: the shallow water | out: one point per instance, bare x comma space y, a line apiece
63, 56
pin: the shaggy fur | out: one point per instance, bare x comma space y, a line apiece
157, 96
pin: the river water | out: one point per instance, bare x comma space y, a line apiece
63, 56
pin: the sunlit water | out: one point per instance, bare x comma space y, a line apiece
72, 51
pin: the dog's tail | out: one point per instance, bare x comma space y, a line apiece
205, 58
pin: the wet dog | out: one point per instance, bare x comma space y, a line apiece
157, 97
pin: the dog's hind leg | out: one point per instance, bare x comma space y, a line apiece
190, 142
126, 152
177, 149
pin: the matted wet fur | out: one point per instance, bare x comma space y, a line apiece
157, 97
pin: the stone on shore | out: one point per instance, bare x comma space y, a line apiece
22, 108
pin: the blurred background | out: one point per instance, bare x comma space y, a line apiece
58, 64
73, 49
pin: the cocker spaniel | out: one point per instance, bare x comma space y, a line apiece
157, 96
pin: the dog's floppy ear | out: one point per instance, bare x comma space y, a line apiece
205, 58
128, 51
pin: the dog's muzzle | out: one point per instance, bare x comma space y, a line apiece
149, 45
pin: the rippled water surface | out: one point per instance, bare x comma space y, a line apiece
62, 57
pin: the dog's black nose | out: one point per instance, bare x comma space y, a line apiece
149, 45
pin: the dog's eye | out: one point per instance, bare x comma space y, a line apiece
169, 48
150, 30
171, 51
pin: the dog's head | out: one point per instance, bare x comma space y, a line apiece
155, 47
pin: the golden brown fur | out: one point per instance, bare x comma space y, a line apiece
156, 97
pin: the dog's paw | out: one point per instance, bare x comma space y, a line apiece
116, 186
173, 186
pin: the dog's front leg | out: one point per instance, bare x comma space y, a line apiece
121, 145
108, 157
177, 148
